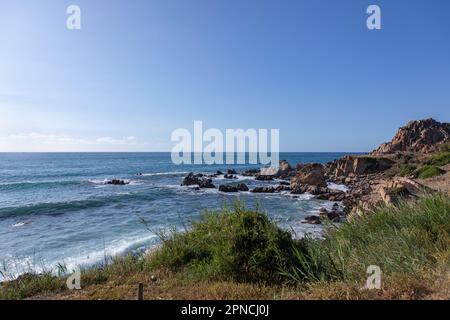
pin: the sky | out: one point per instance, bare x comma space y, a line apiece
138, 70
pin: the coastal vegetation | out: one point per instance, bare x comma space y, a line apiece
240, 253
429, 171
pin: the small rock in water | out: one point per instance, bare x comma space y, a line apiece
242, 187
228, 188
312, 220
117, 182
262, 177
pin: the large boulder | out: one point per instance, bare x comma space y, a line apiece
197, 179
310, 174
284, 170
417, 136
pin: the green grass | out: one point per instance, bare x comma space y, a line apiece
445, 147
410, 239
406, 170
242, 246
29, 285
233, 244
440, 159
429, 171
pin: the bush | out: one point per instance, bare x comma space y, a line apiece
406, 170
410, 239
445, 147
440, 159
429, 171
235, 244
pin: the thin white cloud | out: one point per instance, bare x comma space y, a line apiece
36, 141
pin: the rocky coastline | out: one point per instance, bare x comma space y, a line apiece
386, 175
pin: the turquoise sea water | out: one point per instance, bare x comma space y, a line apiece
56, 208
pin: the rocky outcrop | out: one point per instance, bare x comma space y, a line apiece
197, 179
350, 166
417, 136
391, 191
312, 174
283, 171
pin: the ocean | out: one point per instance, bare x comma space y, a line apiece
55, 208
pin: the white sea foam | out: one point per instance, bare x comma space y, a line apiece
104, 183
115, 248
335, 186
20, 224
119, 247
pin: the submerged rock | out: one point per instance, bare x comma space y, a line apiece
117, 182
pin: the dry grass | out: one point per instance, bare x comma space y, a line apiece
410, 243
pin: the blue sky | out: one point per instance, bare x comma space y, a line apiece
137, 70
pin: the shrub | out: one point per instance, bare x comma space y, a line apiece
236, 244
406, 170
429, 171
445, 147
440, 159
409, 239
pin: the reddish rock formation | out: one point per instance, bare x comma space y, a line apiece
358, 165
417, 136
312, 174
